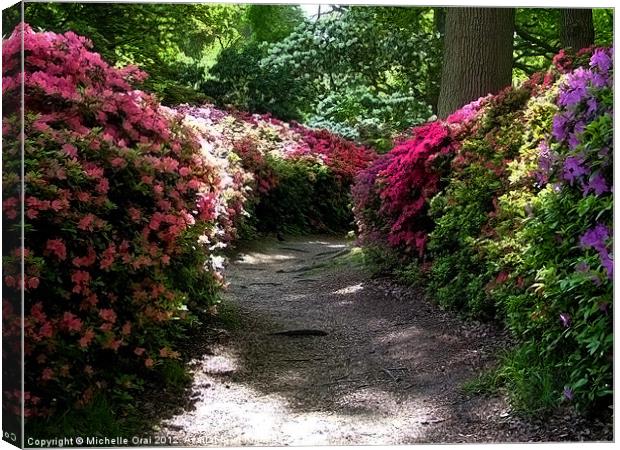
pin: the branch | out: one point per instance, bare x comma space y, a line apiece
534, 40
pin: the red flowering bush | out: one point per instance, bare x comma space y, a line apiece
401, 183
118, 198
344, 158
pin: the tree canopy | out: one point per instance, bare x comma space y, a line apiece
367, 73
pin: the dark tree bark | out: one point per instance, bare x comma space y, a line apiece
576, 28
477, 55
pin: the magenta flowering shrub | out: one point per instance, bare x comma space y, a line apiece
391, 197
118, 196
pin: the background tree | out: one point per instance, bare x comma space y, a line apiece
577, 28
477, 55
537, 35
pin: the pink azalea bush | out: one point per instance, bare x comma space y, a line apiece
400, 184
118, 194
300, 178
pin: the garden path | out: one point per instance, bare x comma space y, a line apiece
389, 370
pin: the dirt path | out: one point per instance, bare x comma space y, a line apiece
388, 371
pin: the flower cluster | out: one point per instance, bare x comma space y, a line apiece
400, 184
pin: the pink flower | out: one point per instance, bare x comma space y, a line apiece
47, 374
80, 277
118, 162
108, 257
9, 206
103, 186
32, 282
87, 222
108, 315
113, 344
87, 338
134, 214
86, 261
71, 322
139, 351
10, 281
46, 330
57, 247
70, 150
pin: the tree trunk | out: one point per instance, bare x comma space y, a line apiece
477, 55
576, 28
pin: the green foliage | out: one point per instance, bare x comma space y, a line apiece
272, 23
464, 211
364, 67
292, 206
99, 419
533, 385
360, 113
169, 41
364, 73
238, 79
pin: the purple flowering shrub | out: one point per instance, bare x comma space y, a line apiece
558, 249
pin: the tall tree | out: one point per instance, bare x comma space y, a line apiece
576, 28
477, 55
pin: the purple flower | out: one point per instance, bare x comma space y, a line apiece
600, 59
580, 126
595, 238
597, 184
599, 80
603, 307
559, 127
546, 161
568, 393
573, 141
592, 106
573, 168
565, 319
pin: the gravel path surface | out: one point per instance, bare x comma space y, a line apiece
361, 361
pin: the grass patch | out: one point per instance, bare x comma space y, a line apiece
486, 383
531, 381
228, 315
